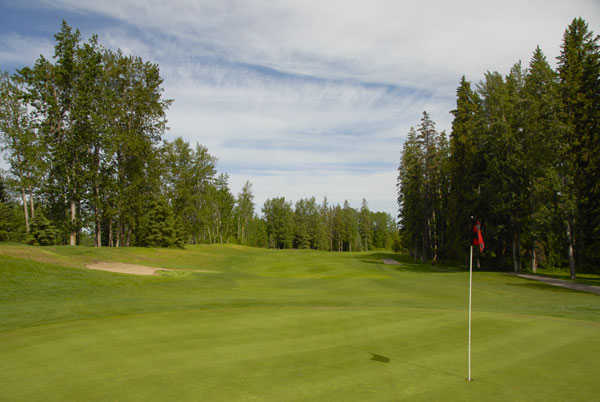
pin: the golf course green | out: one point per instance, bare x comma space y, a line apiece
233, 323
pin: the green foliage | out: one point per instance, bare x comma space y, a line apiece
397, 246
11, 222
365, 226
279, 220
93, 118
579, 88
11, 216
84, 138
523, 156
43, 232
244, 212
422, 188
159, 227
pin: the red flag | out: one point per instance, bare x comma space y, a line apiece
477, 237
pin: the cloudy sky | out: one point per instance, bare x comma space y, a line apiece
304, 97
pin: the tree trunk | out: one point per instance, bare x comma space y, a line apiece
571, 248
578, 243
501, 252
434, 239
73, 236
25, 210
98, 228
97, 200
97, 221
533, 260
128, 243
516, 252
110, 233
31, 203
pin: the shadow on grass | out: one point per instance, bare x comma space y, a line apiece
379, 358
405, 263
384, 359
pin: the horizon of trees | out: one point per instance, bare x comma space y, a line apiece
523, 156
84, 137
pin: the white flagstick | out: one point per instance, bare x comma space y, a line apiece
470, 284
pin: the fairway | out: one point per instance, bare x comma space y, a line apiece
284, 325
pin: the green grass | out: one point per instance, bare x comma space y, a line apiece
276, 325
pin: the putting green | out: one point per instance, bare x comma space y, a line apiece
285, 325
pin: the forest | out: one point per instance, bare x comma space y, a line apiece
84, 135
523, 157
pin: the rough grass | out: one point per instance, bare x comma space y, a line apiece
284, 325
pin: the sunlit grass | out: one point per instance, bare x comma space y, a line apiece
281, 325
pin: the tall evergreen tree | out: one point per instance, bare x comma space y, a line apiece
579, 73
543, 145
410, 187
466, 165
365, 226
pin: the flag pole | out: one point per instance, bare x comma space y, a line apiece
470, 285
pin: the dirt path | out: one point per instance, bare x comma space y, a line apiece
562, 283
390, 262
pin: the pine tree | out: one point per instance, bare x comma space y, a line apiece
159, 226
365, 226
466, 166
324, 238
579, 73
410, 188
43, 233
543, 146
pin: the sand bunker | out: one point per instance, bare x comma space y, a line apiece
135, 269
126, 268
390, 262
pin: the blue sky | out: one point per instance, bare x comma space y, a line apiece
304, 97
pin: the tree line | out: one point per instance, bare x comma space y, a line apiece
84, 137
327, 227
523, 156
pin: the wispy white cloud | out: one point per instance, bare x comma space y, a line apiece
423, 43
313, 98
19, 50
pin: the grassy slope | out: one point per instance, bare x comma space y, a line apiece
283, 325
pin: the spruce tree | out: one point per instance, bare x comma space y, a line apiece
579, 73
410, 188
365, 226
543, 145
43, 233
466, 166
